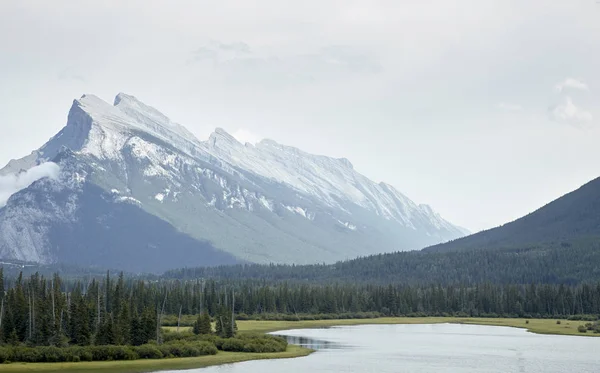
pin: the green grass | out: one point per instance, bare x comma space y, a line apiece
540, 326
138, 366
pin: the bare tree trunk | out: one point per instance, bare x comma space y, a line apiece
33, 313
61, 319
232, 312
159, 318
179, 319
30, 317
53, 309
1, 312
98, 306
157, 322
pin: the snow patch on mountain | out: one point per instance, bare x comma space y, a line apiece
348, 225
300, 211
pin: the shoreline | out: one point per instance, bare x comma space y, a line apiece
155, 365
538, 326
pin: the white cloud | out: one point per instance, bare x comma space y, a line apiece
509, 107
571, 83
245, 136
240, 63
567, 112
11, 184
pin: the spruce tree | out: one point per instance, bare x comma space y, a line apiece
123, 325
137, 335
224, 328
106, 333
203, 324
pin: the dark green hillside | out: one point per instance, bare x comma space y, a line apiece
572, 217
557, 264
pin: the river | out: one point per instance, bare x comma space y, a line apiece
429, 348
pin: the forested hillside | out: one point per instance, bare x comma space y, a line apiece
565, 263
572, 217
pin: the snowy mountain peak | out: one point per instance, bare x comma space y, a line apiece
151, 118
224, 138
346, 163
263, 203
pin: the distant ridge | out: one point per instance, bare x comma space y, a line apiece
573, 216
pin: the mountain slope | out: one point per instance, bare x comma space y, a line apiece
573, 216
264, 203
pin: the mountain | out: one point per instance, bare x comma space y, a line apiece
139, 192
572, 217
557, 244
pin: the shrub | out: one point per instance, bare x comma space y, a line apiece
86, 355
5, 355
526, 321
26, 355
252, 343
233, 344
207, 348
51, 354
188, 349
107, 353
582, 329
557, 322
148, 352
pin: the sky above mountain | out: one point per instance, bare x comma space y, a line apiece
486, 110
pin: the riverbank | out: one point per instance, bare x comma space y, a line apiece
539, 326
142, 365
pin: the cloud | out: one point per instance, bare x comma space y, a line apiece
571, 83
245, 136
217, 51
11, 184
509, 107
567, 112
69, 74
238, 62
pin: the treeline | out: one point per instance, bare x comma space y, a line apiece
117, 311
54, 312
568, 263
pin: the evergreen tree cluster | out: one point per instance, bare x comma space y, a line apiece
54, 312
42, 312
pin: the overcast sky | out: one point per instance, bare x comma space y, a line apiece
486, 110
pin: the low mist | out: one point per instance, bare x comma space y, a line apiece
11, 184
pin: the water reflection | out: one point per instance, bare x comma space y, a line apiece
314, 344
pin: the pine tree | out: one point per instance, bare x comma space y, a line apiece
79, 326
106, 333
148, 325
123, 325
203, 324
137, 335
224, 328
20, 310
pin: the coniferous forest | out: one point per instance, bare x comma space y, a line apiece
122, 318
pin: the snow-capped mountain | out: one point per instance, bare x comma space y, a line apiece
140, 192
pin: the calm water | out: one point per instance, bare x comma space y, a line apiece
429, 348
